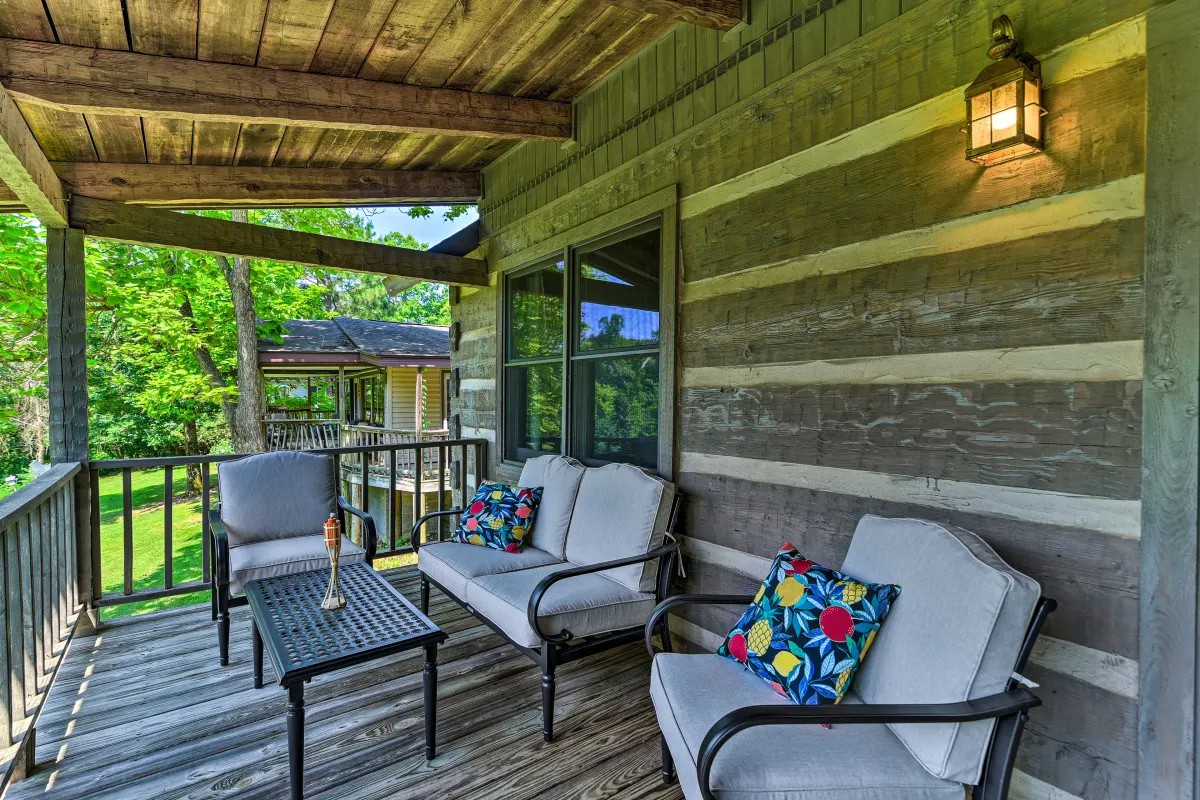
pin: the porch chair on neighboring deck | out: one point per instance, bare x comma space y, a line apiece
936, 708
270, 521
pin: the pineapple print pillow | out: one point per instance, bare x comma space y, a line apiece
499, 517
808, 629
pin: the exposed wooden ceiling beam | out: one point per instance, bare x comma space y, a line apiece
25, 170
719, 14
195, 186
112, 82
106, 219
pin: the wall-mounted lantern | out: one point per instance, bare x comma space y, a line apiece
1004, 111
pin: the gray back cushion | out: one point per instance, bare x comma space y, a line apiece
276, 496
953, 634
559, 478
621, 511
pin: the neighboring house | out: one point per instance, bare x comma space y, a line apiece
345, 381
358, 372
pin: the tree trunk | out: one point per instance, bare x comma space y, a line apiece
247, 429
192, 448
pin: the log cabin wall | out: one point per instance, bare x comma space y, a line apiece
868, 323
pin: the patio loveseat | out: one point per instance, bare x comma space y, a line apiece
938, 705
600, 557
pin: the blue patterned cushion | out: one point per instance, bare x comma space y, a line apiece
808, 629
499, 517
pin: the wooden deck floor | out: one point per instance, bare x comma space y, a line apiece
144, 711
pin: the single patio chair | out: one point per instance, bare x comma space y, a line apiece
938, 705
271, 521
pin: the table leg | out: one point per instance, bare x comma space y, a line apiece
258, 654
295, 734
429, 677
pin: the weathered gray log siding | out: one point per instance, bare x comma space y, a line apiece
870, 324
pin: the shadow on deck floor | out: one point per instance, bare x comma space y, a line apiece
144, 711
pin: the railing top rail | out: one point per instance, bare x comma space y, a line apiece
178, 461
300, 421
28, 497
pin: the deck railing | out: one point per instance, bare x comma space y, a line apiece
39, 604
301, 434
366, 435
382, 461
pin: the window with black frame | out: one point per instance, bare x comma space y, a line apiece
610, 340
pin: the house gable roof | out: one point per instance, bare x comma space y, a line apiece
367, 338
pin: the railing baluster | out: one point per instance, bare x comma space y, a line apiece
393, 512
441, 503
417, 483
6, 691
127, 512
97, 573
462, 474
206, 535
15, 603
168, 526
41, 563
30, 616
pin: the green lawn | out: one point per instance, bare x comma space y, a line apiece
148, 517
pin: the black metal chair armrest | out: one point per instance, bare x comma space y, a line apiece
545, 583
1014, 701
689, 600
220, 547
370, 534
416, 531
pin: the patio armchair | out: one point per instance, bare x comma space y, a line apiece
270, 522
937, 707
601, 556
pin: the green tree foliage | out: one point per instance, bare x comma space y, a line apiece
161, 332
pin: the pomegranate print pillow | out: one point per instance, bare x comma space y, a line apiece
499, 517
808, 629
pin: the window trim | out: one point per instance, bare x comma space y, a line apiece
658, 210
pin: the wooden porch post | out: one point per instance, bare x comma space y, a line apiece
66, 296
1169, 708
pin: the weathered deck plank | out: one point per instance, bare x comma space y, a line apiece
143, 711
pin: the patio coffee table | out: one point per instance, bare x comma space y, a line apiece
304, 640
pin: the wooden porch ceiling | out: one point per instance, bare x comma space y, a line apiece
263, 87
327, 102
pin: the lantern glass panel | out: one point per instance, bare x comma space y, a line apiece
1033, 121
981, 105
1004, 111
981, 132
1004, 96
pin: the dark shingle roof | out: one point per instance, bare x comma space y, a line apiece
367, 336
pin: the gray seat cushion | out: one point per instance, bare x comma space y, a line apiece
559, 478
583, 605
954, 633
849, 762
621, 511
276, 495
453, 564
268, 559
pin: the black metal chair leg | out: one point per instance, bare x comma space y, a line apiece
668, 763
548, 691
223, 626
424, 595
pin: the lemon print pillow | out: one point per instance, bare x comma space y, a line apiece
809, 628
500, 517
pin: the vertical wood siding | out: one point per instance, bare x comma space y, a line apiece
868, 323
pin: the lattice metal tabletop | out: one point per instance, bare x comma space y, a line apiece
303, 639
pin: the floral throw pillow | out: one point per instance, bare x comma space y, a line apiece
499, 517
808, 629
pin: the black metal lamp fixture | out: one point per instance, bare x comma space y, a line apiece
1004, 111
